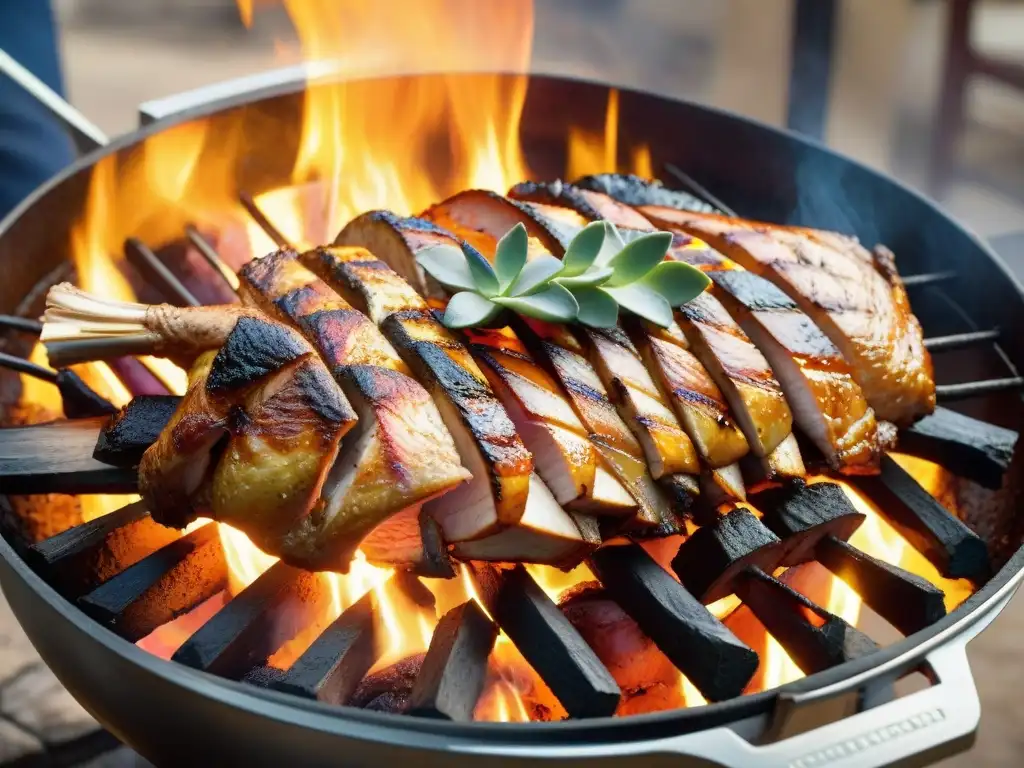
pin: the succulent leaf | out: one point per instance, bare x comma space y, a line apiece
554, 304
447, 264
510, 256
467, 309
537, 272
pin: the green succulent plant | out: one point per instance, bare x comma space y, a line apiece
604, 270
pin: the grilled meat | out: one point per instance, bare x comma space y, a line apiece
735, 364
265, 393
398, 456
563, 455
526, 522
485, 438
857, 299
827, 403
567, 359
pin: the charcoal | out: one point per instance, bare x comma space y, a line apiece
971, 448
801, 515
79, 399
133, 429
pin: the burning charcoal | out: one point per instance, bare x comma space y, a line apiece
815, 522
455, 667
79, 399
714, 660
971, 448
336, 662
83, 557
57, 458
263, 676
943, 538
802, 515
258, 621
814, 638
547, 641
133, 429
171, 581
388, 689
710, 562
629, 654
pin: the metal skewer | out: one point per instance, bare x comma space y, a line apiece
85, 134
213, 258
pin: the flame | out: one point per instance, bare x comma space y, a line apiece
381, 145
598, 152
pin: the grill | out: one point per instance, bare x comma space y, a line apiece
88, 593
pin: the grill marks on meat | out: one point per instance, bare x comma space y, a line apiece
399, 456
254, 437
827, 403
563, 455
506, 512
345, 337
738, 368
566, 358
525, 521
855, 298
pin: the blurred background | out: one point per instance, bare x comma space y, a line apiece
931, 91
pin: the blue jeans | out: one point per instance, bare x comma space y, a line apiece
33, 146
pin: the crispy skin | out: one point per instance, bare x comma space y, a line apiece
280, 285
860, 305
175, 469
281, 448
566, 358
486, 437
400, 456
635, 190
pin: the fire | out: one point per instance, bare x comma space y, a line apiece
590, 152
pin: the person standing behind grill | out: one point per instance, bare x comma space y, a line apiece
33, 146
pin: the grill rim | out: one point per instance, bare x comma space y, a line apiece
16, 575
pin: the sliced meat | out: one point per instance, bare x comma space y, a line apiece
487, 439
827, 403
399, 456
545, 534
563, 455
474, 509
861, 305
665, 445
635, 190
556, 345
735, 364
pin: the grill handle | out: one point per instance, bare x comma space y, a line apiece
917, 729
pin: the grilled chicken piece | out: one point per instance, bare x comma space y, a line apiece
498, 461
399, 456
540, 531
860, 304
735, 364
175, 468
529, 525
278, 479
545, 534
827, 403
563, 455
567, 359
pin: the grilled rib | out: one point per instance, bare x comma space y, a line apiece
538, 530
563, 454
826, 401
567, 358
855, 297
739, 370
